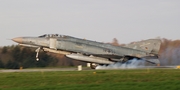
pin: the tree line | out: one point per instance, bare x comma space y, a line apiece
14, 57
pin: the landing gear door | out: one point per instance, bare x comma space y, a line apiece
52, 43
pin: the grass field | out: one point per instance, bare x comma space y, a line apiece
144, 79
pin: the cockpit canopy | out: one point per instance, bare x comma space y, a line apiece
52, 35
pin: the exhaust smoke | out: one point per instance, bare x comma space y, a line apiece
170, 52
134, 63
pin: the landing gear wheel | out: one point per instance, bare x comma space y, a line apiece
93, 65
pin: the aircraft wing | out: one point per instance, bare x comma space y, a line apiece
108, 56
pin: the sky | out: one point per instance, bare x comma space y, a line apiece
97, 20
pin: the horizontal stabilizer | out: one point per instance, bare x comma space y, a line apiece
153, 61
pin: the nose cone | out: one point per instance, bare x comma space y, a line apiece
18, 39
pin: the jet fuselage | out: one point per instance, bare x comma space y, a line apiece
72, 44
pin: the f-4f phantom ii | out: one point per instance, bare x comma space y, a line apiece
96, 53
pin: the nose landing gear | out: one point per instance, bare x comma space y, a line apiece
37, 53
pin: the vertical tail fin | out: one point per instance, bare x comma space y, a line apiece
150, 45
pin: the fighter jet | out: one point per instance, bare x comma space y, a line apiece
96, 53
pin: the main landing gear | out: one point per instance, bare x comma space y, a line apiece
93, 65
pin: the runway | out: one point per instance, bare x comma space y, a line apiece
38, 70
83, 69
